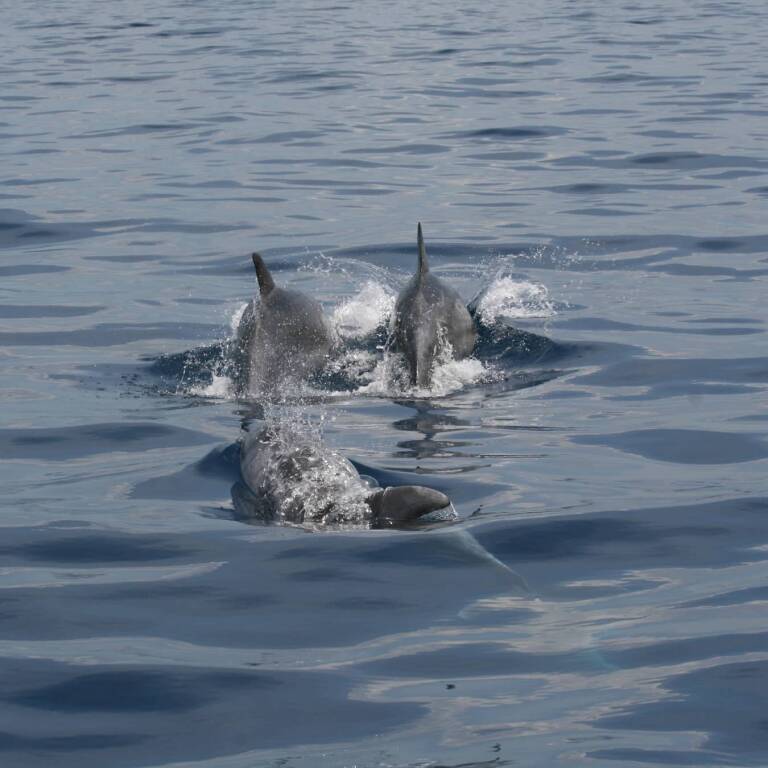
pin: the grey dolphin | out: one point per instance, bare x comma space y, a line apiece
283, 335
291, 476
429, 316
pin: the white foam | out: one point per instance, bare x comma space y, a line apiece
390, 377
507, 298
362, 314
237, 316
220, 388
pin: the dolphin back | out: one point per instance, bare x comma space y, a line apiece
292, 477
430, 316
284, 335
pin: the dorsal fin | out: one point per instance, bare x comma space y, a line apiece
266, 283
423, 263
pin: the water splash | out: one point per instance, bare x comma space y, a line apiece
506, 298
390, 377
365, 313
237, 316
220, 388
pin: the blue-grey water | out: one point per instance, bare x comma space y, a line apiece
602, 599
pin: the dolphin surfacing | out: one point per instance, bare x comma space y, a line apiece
283, 335
430, 316
291, 477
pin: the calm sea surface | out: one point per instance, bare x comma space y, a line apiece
600, 170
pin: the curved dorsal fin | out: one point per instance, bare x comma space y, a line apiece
266, 283
423, 263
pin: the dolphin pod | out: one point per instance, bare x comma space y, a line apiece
430, 317
283, 335
288, 476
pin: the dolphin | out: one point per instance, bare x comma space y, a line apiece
283, 335
429, 317
290, 476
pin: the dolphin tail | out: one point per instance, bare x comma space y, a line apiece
423, 263
266, 283
393, 507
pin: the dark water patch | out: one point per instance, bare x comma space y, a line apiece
677, 161
64, 443
601, 212
310, 75
507, 134
479, 660
684, 651
240, 590
13, 311
140, 691
509, 156
369, 604
673, 757
91, 548
751, 417
744, 173
720, 245
34, 745
208, 478
16, 182
594, 253
406, 149
602, 324
466, 92
578, 538
689, 391
610, 545
694, 161
734, 320
239, 264
20, 229
684, 446
736, 597
138, 130
136, 258
127, 79
725, 702
150, 708
511, 346
282, 137
590, 188
18, 270
109, 335
634, 78
654, 372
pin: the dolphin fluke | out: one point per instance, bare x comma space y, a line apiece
423, 263
403, 504
266, 283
